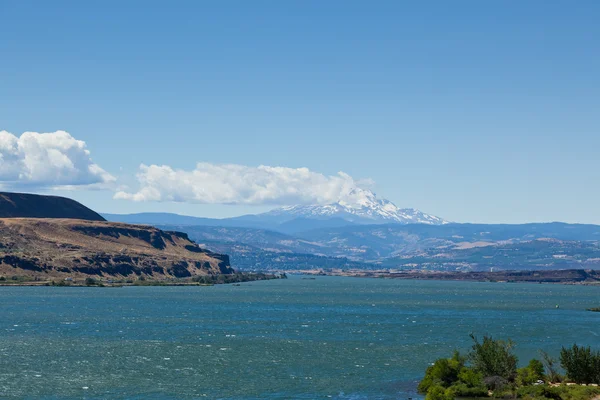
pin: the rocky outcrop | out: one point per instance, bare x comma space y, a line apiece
78, 248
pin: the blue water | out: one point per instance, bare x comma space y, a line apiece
332, 337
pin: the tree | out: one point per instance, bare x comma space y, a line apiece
494, 358
581, 364
448, 378
438, 392
549, 365
530, 374
444, 372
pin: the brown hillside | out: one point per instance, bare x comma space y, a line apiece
23, 205
79, 248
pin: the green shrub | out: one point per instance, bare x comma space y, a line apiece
530, 374
470, 377
438, 392
577, 392
581, 364
494, 358
463, 390
90, 282
496, 383
507, 392
450, 377
562, 392
444, 372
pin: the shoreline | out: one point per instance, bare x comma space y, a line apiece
201, 280
564, 277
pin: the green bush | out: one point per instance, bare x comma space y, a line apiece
530, 374
438, 392
577, 392
90, 282
494, 368
444, 372
470, 377
562, 392
581, 364
463, 390
450, 377
494, 358
506, 392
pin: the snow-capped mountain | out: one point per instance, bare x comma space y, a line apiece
358, 206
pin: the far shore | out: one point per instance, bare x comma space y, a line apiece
565, 277
88, 281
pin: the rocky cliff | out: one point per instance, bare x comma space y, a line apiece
78, 248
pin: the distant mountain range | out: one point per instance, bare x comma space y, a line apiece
364, 232
446, 247
359, 207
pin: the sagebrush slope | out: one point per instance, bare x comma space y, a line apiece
68, 247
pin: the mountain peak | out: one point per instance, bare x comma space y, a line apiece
359, 206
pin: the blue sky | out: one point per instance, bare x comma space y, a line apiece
473, 111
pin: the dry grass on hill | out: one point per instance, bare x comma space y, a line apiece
79, 248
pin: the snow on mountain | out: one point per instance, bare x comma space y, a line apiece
359, 206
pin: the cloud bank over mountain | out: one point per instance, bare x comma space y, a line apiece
47, 160
57, 160
238, 184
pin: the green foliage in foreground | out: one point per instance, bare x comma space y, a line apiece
581, 364
490, 369
530, 374
549, 362
494, 358
449, 378
562, 392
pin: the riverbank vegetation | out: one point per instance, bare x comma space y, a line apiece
490, 369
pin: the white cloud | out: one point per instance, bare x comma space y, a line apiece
238, 184
47, 160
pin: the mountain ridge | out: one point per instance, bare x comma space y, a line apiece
45, 237
70, 248
433, 247
25, 205
358, 207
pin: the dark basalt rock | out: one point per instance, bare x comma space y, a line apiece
180, 270
153, 237
195, 249
23, 263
